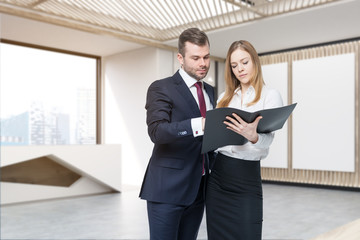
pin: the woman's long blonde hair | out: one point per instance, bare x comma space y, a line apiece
232, 83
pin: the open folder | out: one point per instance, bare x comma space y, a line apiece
217, 135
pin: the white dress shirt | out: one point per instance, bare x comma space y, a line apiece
196, 123
270, 98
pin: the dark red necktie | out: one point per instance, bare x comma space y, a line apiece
201, 98
202, 107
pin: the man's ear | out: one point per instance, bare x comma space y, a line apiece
180, 58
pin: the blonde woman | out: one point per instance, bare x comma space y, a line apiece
234, 204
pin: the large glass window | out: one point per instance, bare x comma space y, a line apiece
47, 97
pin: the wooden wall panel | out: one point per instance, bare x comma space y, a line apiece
332, 177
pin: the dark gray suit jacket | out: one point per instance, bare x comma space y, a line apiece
174, 171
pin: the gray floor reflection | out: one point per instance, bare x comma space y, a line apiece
290, 212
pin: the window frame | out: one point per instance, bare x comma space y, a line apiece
98, 124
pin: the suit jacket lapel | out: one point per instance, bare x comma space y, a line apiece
210, 94
186, 94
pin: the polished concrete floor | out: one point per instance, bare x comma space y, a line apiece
290, 213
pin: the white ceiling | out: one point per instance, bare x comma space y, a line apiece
331, 22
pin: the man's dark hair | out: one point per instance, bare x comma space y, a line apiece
194, 36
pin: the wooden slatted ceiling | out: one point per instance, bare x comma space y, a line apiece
157, 20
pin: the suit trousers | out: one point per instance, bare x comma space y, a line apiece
176, 222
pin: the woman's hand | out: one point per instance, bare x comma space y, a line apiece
247, 130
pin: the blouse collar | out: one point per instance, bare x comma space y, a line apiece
250, 90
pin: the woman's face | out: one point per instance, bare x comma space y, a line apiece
242, 67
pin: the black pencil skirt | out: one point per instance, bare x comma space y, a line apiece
234, 203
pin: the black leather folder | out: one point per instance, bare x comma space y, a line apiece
217, 135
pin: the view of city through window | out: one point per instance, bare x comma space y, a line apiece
46, 97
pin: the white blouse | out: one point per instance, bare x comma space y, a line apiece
270, 98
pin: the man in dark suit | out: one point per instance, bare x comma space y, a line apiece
174, 181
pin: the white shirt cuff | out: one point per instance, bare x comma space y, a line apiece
196, 125
265, 140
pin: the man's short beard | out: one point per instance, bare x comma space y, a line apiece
196, 76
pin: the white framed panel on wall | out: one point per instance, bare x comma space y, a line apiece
324, 118
276, 76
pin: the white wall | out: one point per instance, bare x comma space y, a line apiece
127, 77
221, 81
49, 35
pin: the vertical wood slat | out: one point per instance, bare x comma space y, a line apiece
201, 9
317, 177
212, 20
217, 12
133, 12
357, 111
